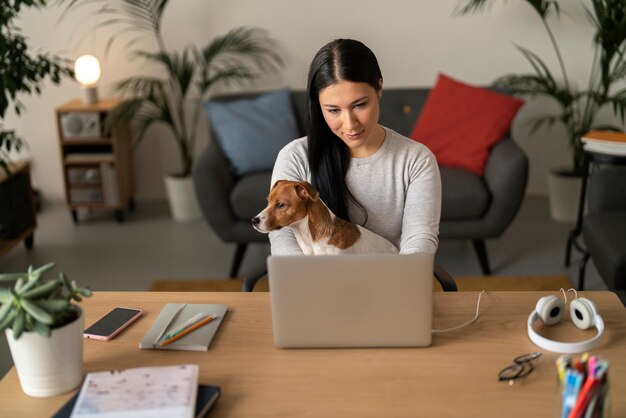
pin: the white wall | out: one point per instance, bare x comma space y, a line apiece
413, 39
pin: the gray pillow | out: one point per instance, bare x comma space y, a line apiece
251, 132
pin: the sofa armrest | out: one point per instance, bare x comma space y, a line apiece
506, 175
213, 181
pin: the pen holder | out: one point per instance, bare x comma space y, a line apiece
584, 387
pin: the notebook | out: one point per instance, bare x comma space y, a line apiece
206, 397
364, 300
173, 315
167, 391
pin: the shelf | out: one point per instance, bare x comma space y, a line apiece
86, 141
86, 158
76, 105
7, 245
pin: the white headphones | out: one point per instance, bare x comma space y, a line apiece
583, 314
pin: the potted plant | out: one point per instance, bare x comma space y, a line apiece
174, 99
21, 72
578, 107
44, 330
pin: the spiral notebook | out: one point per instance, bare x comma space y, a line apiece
167, 391
173, 315
206, 396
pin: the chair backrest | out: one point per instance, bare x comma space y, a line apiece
400, 107
607, 189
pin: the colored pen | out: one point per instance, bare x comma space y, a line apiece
187, 331
185, 325
164, 330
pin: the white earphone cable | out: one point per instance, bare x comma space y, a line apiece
466, 323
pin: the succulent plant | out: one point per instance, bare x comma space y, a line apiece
37, 305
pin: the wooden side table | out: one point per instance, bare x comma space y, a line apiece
19, 198
97, 162
591, 158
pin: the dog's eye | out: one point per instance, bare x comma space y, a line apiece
280, 205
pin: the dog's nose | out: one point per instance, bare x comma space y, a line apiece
255, 220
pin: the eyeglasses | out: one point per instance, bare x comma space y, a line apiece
521, 367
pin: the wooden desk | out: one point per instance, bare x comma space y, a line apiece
455, 377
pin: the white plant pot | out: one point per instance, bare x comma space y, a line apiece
564, 195
182, 199
49, 366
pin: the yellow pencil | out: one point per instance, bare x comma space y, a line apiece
192, 328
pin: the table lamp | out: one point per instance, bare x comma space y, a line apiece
87, 73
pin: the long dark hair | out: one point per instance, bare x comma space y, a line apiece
329, 157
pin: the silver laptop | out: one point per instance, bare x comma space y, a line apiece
380, 300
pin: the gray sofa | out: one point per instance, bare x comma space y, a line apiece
473, 207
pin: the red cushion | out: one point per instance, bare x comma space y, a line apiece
459, 123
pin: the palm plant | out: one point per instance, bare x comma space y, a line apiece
188, 76
578, 107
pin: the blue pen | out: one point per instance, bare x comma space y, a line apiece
573, 381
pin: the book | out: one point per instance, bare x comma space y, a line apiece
173, 315
605, 142
168, 391
206, 397
109, 184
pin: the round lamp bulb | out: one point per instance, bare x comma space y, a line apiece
87, 70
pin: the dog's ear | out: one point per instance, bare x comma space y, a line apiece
276, 184
304, 190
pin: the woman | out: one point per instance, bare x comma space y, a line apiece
364, 172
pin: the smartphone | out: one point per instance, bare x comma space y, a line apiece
112, 323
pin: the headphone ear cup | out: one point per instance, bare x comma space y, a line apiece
583, 313
550, 309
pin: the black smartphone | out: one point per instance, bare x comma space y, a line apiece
112, 323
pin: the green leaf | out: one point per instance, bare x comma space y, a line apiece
41, 329
44, 268
36, 312
6, 322
18, 285
54, 305
5, 296
18, 324
6, 308
42, 291
9, 277
66, 281
84, 292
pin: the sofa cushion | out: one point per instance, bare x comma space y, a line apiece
459, 123
464, 194
251, 132
249, 196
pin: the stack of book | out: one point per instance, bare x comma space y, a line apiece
605, 142
167, 391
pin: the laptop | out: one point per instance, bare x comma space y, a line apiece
364, 300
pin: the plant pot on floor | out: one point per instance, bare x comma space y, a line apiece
182, 199
49, 366
564, 195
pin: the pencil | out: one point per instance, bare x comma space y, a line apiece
192, 328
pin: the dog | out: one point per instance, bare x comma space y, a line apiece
297, 206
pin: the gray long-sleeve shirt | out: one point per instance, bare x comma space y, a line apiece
399, 186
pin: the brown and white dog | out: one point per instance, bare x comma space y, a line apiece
297, 206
